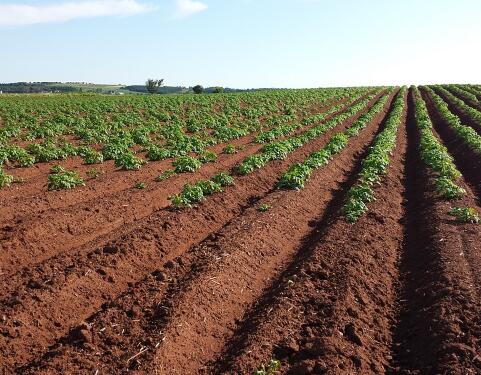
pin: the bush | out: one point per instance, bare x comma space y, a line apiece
465, 215
63, 179
5, 179
186, 164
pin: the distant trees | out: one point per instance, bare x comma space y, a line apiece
153, 85
198, 89
218, 90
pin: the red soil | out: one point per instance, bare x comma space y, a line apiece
107, 279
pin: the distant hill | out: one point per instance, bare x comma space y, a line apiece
79, 87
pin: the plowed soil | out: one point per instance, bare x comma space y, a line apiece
108, 279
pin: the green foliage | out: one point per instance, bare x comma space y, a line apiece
375, 165
5, 179
48, 151
447, 189
297, 175
223, 179
89, 155
153, 85
270, 369
140, 185
229, 149
63, 179
198, 89
191, 193
16, 155
155, 153
465, 215
185, 164
208, 157
165, 175
434, 154
128, 161
280, 149
264, 207
465, 133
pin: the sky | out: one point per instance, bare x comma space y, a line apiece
242, 43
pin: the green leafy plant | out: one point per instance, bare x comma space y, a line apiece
165, 175
264, 207
186, 164
229, 149
5, 179
447, 189
208, 157
270, 369
63, 179
128, 161
89, 155
465, 215
223, 179
140, 185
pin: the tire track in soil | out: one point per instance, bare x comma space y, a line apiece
438, 323
33, 240
32, 324
196, 270
331, 310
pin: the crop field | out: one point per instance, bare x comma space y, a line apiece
273, 232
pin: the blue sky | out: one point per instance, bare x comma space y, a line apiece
242, 43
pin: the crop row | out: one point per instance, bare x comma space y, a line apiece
465, 133
287, 129
435, 155
279, 150
192, 193
297, 174
376, 163
175, 141
471, 113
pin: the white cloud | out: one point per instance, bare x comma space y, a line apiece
188, 7
24, 14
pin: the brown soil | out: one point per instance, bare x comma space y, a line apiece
223, 288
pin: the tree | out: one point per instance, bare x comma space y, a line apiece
198, 89
218, 90
153, 85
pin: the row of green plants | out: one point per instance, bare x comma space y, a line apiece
467, 96
95, 119
297, 174
117, 140
465, 133
280, 149
194, 193
376, 163
437, 157
287, 129
471, 113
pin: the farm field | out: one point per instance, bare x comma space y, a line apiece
281, 231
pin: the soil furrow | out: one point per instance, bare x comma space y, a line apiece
333, 297
31, 193
30, 241
467, 161
438, 324
458, 112
32, 323
216, 280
